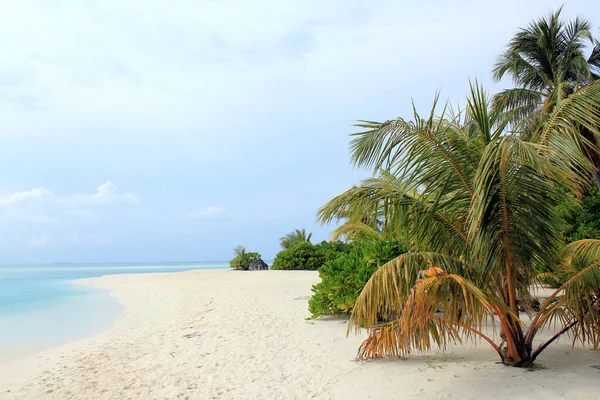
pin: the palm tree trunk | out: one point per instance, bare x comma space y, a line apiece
510, 278
520, 353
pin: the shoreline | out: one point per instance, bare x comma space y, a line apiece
41, 329
40, 325
243, 335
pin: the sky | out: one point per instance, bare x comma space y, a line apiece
156, 130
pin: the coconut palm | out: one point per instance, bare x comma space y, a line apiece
479, 204
297, 236
547, 62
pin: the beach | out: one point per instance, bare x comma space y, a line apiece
222, 334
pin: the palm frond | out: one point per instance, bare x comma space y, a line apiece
576, 304
465, 310
517, 104
355, 231
513, 217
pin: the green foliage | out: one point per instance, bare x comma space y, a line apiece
306, 256
297, 236
343, 278
581, 221
242, 258
477, 200
333, 250
584, 220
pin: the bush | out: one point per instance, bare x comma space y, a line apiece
583, 222
301, 255
333, 250
307, 256
580, 222
343, 278
242, 259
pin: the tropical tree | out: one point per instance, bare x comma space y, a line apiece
547, 62
297, 236
243, 258
478, 202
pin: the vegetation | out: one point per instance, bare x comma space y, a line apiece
344, 277
242, 258
583, 221
304, 255
477, 195
299, 235
547, 63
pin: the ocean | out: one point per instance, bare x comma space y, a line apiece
40, 306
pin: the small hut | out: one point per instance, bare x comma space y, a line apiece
258, 265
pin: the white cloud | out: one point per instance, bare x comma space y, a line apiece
210, 212
67, 220
151, 60
28, 196
106, 193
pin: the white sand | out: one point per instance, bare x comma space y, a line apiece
242, 335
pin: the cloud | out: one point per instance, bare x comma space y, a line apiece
106, 193
68, 220
28, 196
210, 212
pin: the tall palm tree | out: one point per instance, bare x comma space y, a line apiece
479, 204
547, 62
297, 236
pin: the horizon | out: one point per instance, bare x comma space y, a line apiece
146, 131
123, 262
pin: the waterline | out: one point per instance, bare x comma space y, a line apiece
40, 306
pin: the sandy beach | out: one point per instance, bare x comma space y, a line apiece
224, 334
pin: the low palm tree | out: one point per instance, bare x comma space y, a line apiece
547, 62
297, 236
478, 203
240, 251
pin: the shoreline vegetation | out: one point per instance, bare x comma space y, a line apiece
483, 203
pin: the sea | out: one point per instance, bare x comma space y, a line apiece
40, 306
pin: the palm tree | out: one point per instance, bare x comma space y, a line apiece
363, 224
239, 251
547, 63
297, 236
479, 204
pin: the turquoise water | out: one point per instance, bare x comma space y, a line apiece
40, 307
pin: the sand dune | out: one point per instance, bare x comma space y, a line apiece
243, 335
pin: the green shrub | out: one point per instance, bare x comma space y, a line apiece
242, 259
307, 256
580, 222
301, 255
343, 278
583, 222
332, 250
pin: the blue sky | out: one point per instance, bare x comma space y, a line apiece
140, 131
